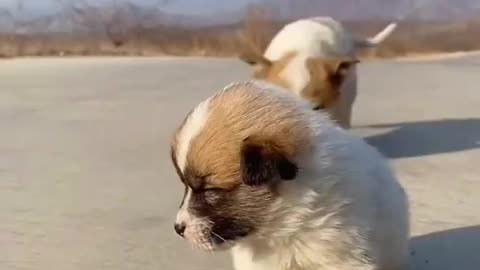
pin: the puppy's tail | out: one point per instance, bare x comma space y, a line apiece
377, 39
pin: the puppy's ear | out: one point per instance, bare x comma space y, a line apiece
254, 58
263, 162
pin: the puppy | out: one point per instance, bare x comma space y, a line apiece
315, 59
285, 188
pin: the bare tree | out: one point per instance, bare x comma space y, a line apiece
116, 19
86, 17
13, 18
258, 28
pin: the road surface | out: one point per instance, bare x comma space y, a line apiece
86, 182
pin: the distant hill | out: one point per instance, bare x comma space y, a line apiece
341, 9
370, 9
221, 12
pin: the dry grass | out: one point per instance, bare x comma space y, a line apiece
228, 40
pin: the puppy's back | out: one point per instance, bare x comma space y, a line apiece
318, 36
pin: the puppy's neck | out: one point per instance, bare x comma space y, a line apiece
301, 221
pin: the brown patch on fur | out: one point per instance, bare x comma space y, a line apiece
272, 72
327, 75
235, 115
326, 79
267, 70
254, 58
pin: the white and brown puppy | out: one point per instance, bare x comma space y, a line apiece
315, 58
285, 188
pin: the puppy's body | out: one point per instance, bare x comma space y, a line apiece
317, 39
284, 188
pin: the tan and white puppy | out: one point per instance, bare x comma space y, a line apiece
315, 58
285, 188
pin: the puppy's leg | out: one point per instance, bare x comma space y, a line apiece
343, 108
350, 90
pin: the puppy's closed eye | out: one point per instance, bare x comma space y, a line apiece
213, 195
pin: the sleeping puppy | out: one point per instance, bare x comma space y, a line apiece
284, 188
315, 59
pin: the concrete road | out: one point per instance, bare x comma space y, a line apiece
86, 183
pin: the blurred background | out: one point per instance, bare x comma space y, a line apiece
220, 28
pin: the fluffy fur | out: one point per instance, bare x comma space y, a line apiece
324, 41
284, 188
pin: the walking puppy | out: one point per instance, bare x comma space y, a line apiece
285, 188
315, 58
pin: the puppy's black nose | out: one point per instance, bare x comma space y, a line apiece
180, 229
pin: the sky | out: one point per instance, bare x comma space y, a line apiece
199, 7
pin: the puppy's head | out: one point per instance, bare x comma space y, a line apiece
317, 80
231, 153
326, 79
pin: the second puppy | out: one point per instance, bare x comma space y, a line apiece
315, 58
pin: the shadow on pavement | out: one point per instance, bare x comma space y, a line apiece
413, 139
457, 249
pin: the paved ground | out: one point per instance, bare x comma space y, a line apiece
85, 180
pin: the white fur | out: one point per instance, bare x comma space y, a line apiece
183, 216
380, 37
297, 73
193, 126
313, 36
345, 202
194, 226
320, 37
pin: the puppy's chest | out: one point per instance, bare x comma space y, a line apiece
282, 258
